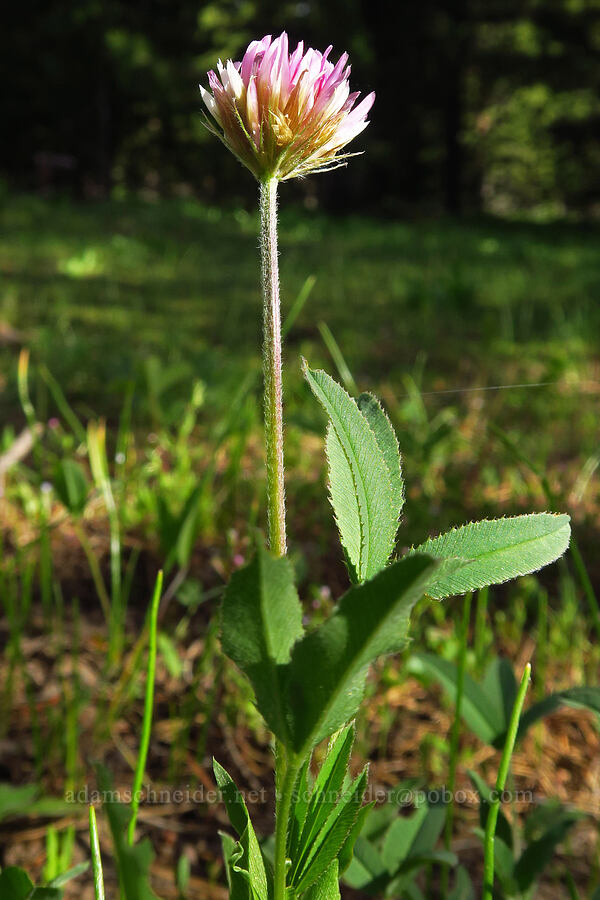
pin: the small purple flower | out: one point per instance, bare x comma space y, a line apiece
284, 114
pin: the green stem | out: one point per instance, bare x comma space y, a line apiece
492, 818
96, 859
480, 626
273, 399
148, 704
285, 780
455, 736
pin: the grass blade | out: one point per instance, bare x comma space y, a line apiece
96, 858
148, 704
490, 825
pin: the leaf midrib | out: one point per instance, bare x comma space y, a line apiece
471, 559
354, 669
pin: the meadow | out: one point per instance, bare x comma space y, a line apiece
130, 367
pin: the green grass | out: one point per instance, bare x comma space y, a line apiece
164, 293
148, 315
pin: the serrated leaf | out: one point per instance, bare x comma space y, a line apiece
327, 887
332, 836
71, 486
495, 550
385, 436
261, 619
250, 863
346, 854
359, 482
327, 788
370, 620
300, 799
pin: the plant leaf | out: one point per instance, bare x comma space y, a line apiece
504, 831
577, 697
538, 853
366, 871
239, 889
387, 441
327, 887
346, 854
15, 884
332, 837
500, 686
463, 886
261, 619
67, 876
71, 486
495, 550
371, 619
478, 712
359, 481
299, 808
326, 792
251, 863
399, 838
133, 862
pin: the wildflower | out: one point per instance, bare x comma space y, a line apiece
284, 114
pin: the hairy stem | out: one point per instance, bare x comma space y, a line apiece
273, 396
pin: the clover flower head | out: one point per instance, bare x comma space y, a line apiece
284, 114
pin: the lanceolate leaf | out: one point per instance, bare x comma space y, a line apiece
359, 480
326, 792
249, 863
327, 887
329, 665
299, 809
133, 861
478, 711
261, 620
71, 486
578, 697
332, 836
346, 854
495, 550
386, 438
539, 852
232, 854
